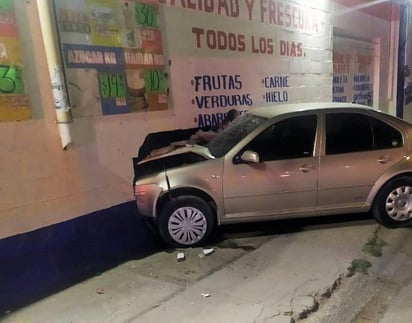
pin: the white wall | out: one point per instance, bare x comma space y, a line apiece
308, 69
41, 184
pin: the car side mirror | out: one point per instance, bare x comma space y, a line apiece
250, 156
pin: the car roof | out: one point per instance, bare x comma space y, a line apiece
271, 111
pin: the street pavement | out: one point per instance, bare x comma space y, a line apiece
306, 276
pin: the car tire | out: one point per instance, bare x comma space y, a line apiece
186, 221
393, 204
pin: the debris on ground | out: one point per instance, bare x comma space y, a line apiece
99, 290
180, 256
208, 251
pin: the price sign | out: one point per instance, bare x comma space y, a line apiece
155, 81
112, 85
146, 15
10, 80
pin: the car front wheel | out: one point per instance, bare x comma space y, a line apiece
185, 221
393, 204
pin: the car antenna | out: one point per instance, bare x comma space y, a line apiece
167, 182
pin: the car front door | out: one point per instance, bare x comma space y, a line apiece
284, 181
358, 149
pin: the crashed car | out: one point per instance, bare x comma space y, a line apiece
277, 162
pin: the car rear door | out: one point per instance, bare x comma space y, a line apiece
285, 179
358, 149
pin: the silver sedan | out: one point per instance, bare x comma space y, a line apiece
283, 161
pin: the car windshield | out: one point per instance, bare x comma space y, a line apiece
234, 133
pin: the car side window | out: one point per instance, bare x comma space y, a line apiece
290, 138
354, 132
385, 136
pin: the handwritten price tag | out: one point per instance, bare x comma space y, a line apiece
112, 85
146, 15
155, 81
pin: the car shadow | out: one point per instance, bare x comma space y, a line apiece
286, 226
40, 263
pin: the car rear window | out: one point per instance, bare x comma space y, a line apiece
354, 132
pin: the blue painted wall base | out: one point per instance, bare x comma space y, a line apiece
36, 264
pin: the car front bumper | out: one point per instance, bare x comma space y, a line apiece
146, 196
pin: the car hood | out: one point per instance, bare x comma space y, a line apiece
171, 151
170, 158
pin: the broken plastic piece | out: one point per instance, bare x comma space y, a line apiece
181, 256
100, 290
208, 251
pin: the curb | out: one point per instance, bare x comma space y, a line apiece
383, 280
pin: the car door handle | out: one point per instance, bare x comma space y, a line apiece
384, 159
306, 168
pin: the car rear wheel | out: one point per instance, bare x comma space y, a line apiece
186, 221
393, 204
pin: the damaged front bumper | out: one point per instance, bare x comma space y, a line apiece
146, 196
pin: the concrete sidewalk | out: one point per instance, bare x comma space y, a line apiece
283, 278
